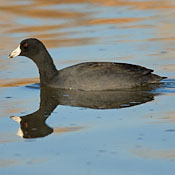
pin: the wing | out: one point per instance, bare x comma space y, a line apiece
109, 67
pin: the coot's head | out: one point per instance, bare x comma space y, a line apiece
29, 48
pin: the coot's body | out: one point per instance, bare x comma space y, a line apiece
89, 76
103, 76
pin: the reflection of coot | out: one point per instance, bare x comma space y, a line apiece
90, 76
33, 125
101, 99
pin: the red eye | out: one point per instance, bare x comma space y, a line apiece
25, 45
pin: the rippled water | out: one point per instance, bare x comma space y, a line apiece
108, 134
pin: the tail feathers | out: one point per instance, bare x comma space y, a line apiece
164, 77
155, 78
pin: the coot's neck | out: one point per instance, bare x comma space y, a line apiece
46, 67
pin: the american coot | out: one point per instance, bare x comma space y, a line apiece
88, 76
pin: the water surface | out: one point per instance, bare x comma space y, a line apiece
108, 134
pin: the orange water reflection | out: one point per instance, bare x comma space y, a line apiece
67, 129
39, 9
150, 153
18, 82
6, 163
